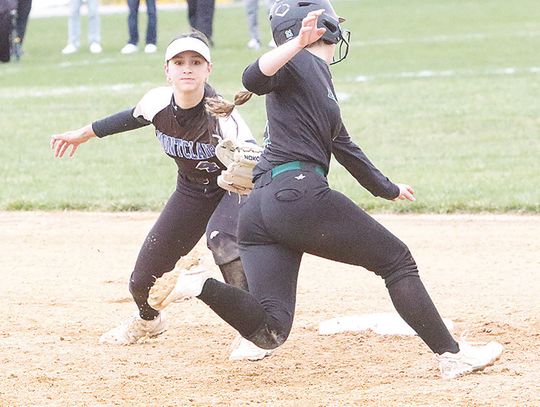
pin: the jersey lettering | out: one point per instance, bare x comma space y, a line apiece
190, 150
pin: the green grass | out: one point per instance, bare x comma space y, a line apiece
466, 135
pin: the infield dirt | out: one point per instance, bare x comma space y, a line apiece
64, 282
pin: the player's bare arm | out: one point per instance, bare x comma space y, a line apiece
273, 60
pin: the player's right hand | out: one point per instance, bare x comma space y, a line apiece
61, 142
309, 33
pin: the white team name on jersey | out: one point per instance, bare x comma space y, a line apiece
190, 150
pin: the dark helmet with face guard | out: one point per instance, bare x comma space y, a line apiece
286, 21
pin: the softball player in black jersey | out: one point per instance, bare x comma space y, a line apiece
292, 210
187, 133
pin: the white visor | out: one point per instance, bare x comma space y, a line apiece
187, 44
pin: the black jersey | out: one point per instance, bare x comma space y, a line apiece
188, 136
304, 122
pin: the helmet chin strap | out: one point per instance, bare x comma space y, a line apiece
343, 47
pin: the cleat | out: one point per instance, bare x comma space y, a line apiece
242, 349
177, 286
133, 329
470, 358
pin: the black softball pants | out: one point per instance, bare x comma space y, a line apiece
296, 213
191, 210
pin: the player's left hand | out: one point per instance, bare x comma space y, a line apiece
405, 192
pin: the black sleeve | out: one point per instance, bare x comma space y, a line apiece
118, 123
361, 168
257, 82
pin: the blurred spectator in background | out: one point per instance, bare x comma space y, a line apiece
23, 11
13, 19
133, 24
201, 16
74, 27
7, 7
252, 12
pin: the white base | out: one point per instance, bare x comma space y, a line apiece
380, 323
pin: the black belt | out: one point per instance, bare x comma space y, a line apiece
199, 180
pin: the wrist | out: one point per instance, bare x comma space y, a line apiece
397, 192
88, 132
296, 44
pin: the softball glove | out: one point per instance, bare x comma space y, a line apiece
240, 161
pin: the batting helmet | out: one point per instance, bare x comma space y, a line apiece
286, 20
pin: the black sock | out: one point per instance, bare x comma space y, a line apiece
414, 305
235, 306
233, 274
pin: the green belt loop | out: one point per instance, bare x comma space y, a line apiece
294, 165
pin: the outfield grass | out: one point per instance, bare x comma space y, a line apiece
441, 94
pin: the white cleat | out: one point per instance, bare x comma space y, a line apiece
133, 329
177, 286
242, 349
469, 359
